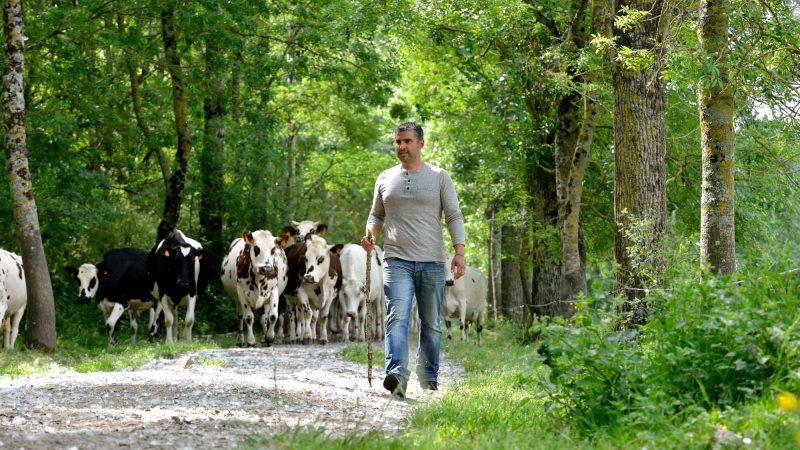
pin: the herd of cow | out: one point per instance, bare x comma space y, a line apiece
294, 278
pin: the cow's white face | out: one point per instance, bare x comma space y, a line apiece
352, 294
305, 227
449, 276
264, 253
318, 259
89, 282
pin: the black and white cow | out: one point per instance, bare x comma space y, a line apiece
179, 270
254, 275
13, 296
315, 278
119, 282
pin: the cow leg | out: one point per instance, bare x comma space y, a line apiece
249, 317
111, 322
132, 316
270, 317
462, 315
151, 313
314, 322
305, 310
240, 314
159, 308
448, 323
189, 320
5, 325
169, 318
323, 320
290, 316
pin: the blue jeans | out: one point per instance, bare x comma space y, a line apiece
401, 281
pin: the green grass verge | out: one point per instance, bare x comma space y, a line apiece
502, 404
89, 353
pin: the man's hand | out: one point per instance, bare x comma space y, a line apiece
458, 266
368, 242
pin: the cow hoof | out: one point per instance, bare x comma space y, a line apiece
323, 342
449, 338
306, 341
112, 343
266, 344
251, 344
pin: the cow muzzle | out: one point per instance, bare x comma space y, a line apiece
309, 279
449, 282
268, 271
83, 299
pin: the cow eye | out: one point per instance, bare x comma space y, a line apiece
320, 260
256, 250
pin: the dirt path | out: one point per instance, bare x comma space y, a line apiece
223, 397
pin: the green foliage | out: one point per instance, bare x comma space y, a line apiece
358, 353
710, 344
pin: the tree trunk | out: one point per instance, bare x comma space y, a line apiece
40, 328
715, 101
547, 266
494, 262
212, 171
512, 298
173, 197
574, 168
640, 200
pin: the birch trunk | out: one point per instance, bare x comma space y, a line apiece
40, 327
715, 101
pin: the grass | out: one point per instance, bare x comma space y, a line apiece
502, 404
90, 353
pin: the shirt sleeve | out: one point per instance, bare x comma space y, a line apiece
377, 212
452, 212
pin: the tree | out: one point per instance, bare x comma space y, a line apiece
40, 328
212, 157
640, 198
173, 197
715, 102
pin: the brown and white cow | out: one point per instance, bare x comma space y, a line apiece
13, 296
315, 278
254, 275
352, 299
464, 299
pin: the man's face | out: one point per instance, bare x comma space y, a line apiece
406, 146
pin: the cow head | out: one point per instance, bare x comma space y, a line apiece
317, 258
89, 281
260, 254
449, 277
177, 263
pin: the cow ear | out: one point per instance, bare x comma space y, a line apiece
200, 256
322, 229
335, 249
248, 237
71, 270
281, 240
165, 252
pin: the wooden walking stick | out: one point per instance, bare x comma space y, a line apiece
368, 317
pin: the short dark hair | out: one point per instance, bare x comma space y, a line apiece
411, 126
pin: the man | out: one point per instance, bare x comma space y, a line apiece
408, 202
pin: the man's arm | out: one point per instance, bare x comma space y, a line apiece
375, 219
455, 225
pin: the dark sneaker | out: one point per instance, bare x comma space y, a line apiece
395, 384
432, 385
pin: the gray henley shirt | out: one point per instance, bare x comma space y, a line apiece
408, 205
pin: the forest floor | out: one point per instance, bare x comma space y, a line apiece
206, 399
